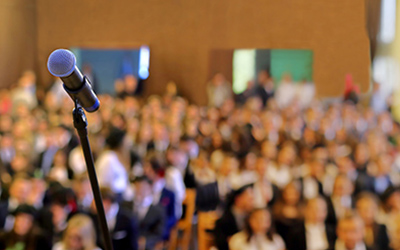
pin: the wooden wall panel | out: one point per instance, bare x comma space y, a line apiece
181, 34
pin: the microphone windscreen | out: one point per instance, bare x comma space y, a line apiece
61, 63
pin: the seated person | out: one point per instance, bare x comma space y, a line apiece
313, 234
341, 200
24, 234
18, 194
376, 236
350, 232
122, 226
80, 234
151, 217
240, 204
258, 234
287, 211
161, 195
54, 216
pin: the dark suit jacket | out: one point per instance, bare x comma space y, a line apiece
167, 201
207, 197
35, 240
264, 95
297, 237
381, 239
125, 233
225, 227
3, 213
152, 226
331, 217
363, 182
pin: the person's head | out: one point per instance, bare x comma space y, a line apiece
20, 188
316, 211
249, 161
115, 138
316, 168
384, 163
20, 163
287, 155
81, 186
229, 164
391, 199
24, 219
153, 168
345, 165
60, 158
269, 150
263, 76
259, 222
119, 86
350, 230
342, 186
243, 198
261, 166
109, 198
177, 157
320, 153
131, 83
218, 79
367, 207
361, 154
143, 189
291, 194
59, 206
80, 233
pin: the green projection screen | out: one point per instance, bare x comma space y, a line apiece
248, 62
296, 62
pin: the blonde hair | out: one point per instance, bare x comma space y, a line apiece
84, 225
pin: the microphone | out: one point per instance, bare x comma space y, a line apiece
62, 63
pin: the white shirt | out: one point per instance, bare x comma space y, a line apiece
316, 237
174, 182
310, 187
305, 94
285, 94
61, 246
77, 161
111, 216
158, 187
280, 176
340, 246
111, 173
240, 179
259, 242
263, 193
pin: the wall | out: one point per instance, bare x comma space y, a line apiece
181, 34
17, 39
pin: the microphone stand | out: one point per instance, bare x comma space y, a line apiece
80, 124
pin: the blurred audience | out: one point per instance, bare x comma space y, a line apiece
321, 169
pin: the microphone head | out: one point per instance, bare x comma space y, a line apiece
61, 63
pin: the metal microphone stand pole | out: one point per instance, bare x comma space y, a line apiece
80, 123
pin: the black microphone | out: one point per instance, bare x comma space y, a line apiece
62, 63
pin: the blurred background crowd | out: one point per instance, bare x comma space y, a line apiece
272, 168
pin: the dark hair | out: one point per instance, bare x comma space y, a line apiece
369, 196
156, 164
270, 233
108, 194
142, 179
115, 138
